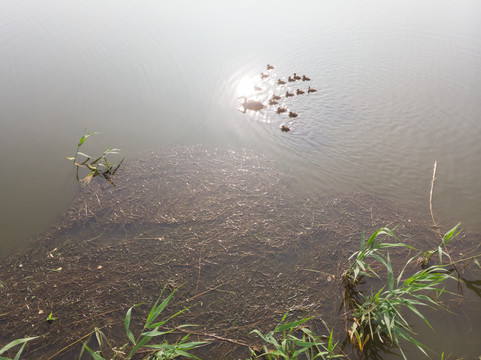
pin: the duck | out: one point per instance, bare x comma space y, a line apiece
296, 77
281, 110
270, 67
257, 88
288, 94
253, 105
285, 128
273, 102
291, 79
264, 76
281, 82
311, 90
293, 114
299, 92
305, 78
276, 97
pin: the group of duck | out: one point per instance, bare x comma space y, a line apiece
256, 105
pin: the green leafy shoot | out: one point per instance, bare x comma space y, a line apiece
50, 319
151, 329
375, 248
97, 166
441, 248
293, 341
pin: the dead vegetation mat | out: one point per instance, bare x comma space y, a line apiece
224, 226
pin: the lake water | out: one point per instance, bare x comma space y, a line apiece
399, 87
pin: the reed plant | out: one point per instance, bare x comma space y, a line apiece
291, 341
378, 316
96, 165
151, 329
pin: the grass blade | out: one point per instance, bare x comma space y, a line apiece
15, 343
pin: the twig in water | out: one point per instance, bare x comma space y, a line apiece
436, 226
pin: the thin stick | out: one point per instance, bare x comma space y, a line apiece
437, 227
431, 200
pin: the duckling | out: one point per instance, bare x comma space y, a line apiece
264, 76
288, 94
299, 92
285, 128
281, 82
281, 110
273, 102
291, 79
310, 90
305, 78
270, 67
296, 77
276, 97
293, 114
257, 88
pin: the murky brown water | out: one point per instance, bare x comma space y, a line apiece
398, 88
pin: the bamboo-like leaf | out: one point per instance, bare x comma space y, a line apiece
20, 351
447, 237
92, 353
390, 274
127, 324
156, 332
402, 271
84, 155
15, 343
144, 340
156, 310
440, 252
416, 311
359, 341
158, 324
291, 325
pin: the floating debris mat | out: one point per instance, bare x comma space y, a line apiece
223, 226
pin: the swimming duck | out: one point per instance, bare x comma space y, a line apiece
299, 92
264, 76
270, 67
305, 78
281, 82
281, 110
296, 77
288, 94
310, 90
253, 105
276, 97
285, 128
291, 79
273, 102
293, 114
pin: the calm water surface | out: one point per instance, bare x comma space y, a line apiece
398, 86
